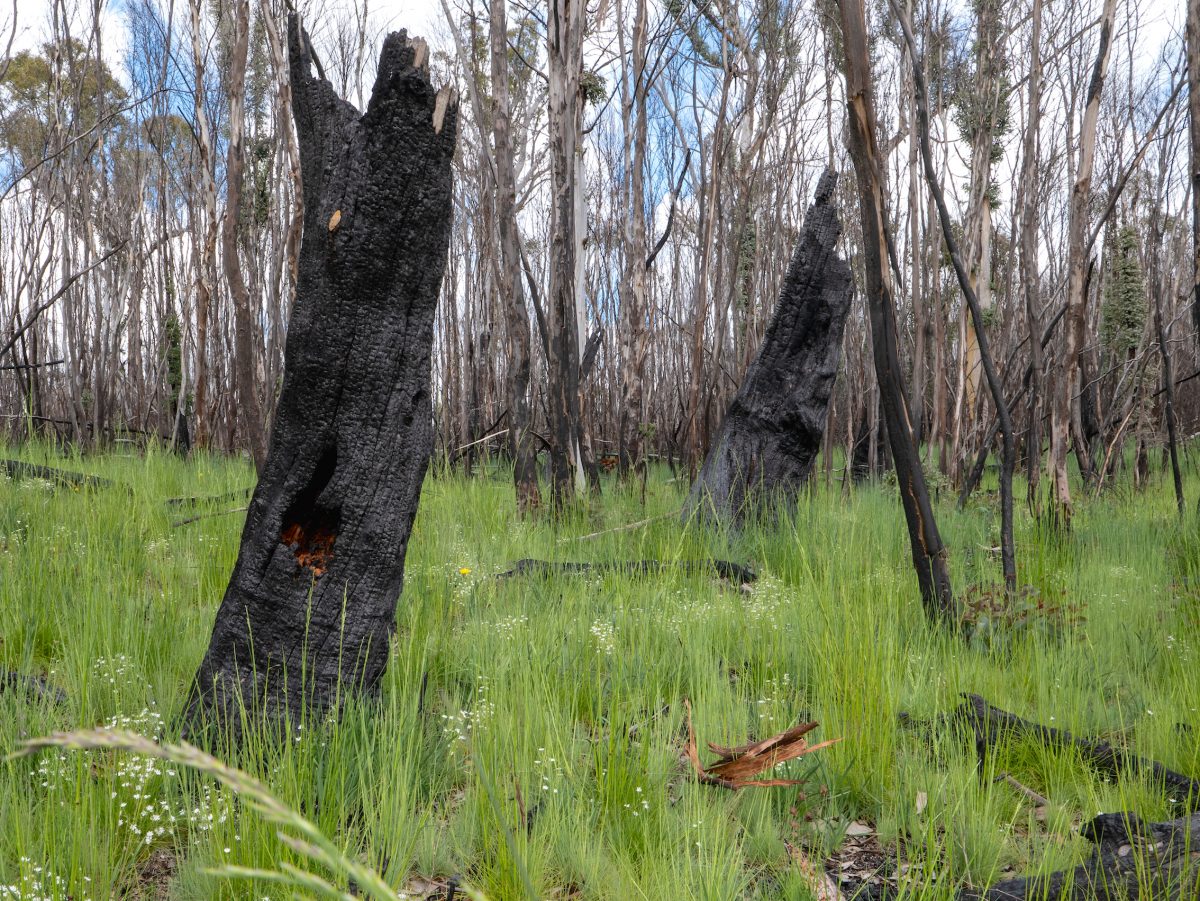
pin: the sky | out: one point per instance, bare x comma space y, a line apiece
418, 16
422, 18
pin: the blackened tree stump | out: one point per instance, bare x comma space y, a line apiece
772, 431
311, 605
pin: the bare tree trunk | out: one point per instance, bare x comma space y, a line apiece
249, 408
928, 552
1065, 409
564, 40
1029, 260
1007, 546
1155, 286
1193, 75
311, 604
525, 476
633, 333
207, 242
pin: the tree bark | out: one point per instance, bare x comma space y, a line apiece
1193, 76
973, 303
311, 604
1155, 283
249, 408
205, 246
633, 335
525, 477
772, 431
928, 552
1065, 410
564, 40
1029, 260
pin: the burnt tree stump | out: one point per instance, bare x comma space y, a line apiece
311, 604
772, 431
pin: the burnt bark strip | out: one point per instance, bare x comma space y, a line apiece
1133, 860
772, 431
312, 601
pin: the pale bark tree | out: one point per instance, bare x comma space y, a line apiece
512, 293
1065, 410
249, 407
1029, 257
204, 238
635, 86
1193, 70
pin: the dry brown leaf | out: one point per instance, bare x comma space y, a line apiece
820, 885
738, 765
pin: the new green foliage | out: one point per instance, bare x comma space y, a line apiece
1123, 310
562, 697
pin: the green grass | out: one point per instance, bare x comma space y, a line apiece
563, 697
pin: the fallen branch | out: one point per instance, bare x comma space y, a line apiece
1028, 792
1133, 860
736, 766
459, 450
625, 528
990, 724
734, 572
190, 519
37, 688
19, 469
7, 366
211, 499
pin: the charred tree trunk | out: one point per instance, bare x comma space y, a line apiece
982, 351
928, 552
772, 431
312, 600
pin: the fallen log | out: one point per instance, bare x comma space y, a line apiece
724, 569
991, 724
35, 687
19, 469
210, 498
1133, 860
188, 520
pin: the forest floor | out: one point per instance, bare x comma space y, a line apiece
531, 733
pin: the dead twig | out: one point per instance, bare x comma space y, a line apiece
199, 516
1023, 789
625, 528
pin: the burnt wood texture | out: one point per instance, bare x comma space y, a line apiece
772, 431
311, 604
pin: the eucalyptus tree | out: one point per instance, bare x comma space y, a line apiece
1065, 409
